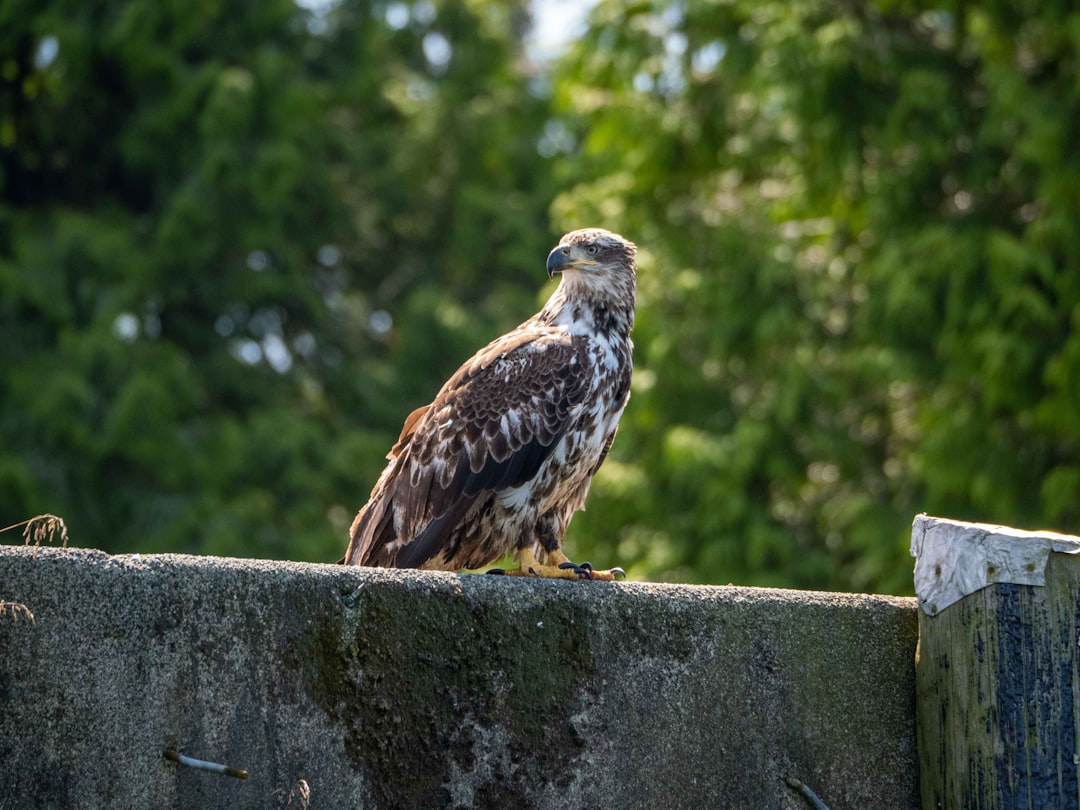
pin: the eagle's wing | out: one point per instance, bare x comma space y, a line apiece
490, 428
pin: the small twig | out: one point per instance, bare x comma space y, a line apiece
807, 793
202, 765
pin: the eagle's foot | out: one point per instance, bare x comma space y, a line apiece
586, 571
557, 567
582, 570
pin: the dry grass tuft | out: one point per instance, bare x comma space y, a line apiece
36, 529
42, 527
300, 791
15, 611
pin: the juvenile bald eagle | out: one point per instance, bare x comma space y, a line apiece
503, 456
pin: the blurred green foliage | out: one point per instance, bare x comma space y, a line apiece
240, 242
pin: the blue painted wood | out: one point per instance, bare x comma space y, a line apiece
997, 685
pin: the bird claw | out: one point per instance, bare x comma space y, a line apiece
583, 570
496, 571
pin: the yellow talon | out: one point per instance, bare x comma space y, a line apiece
558, 566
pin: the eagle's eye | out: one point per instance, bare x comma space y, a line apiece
592, 250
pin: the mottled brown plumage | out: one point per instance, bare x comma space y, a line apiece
503, 456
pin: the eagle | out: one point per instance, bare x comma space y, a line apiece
502, 458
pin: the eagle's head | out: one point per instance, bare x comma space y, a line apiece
593, 258
598, 286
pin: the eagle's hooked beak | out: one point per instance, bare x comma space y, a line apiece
560, 259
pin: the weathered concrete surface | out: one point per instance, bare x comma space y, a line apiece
393, 689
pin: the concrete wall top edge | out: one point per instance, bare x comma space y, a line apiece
477, 583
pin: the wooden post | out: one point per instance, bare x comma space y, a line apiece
998, 670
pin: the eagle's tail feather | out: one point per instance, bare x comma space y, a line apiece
371, 534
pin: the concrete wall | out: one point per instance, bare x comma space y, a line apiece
395, 689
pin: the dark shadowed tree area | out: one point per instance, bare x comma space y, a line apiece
239, 242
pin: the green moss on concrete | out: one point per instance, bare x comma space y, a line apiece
399, 672
410, 689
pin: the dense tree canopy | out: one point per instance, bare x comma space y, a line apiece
239, 242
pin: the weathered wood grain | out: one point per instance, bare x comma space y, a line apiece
997, 684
